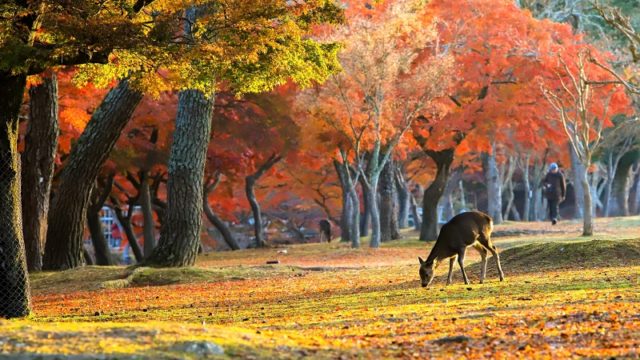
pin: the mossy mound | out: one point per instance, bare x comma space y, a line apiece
560, 255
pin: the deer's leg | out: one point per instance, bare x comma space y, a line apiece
483, 268
461, 263
450, 276
492, 248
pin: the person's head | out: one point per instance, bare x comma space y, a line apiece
553, 167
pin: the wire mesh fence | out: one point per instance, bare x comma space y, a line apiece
15, 299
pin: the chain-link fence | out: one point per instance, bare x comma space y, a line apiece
15, 299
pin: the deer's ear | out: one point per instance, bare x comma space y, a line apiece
421, 261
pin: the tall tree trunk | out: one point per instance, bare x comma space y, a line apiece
63, 249
38, 159
417, 224
345, 216
587, 229
494, 192
447, 196
365, 218
15, 296
388, 204
350, 217
634, 190
432, 195
180, 232
404, 201
578, 172
250, 182
622, 186
507, 185
354, 200
100, 245
526, 215
375, 211
148, 226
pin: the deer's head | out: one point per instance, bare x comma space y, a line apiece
426, 272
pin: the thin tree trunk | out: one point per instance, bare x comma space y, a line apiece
180, 232
587, 229
148, 226
221, 226
38, 159
214, 219
463, 198
417, 224
354, 200
404, 202
63, 249
125, 222
578, 172
494, 192
100, 246
15, 296
250, 182
634, 190
507, 184
365, 218
526, 216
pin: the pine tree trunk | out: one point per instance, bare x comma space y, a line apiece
432, 195
494, 192
67, 217
15, 296
180, 233
38, 159
148, 226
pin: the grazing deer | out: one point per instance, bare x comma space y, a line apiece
471, 228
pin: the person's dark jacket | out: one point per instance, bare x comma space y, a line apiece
554, 186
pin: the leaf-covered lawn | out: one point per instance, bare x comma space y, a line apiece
575, 299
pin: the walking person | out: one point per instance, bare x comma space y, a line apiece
554, 188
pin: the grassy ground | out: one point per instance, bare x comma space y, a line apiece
564, 296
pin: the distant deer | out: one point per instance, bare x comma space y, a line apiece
325, 231
471, 228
